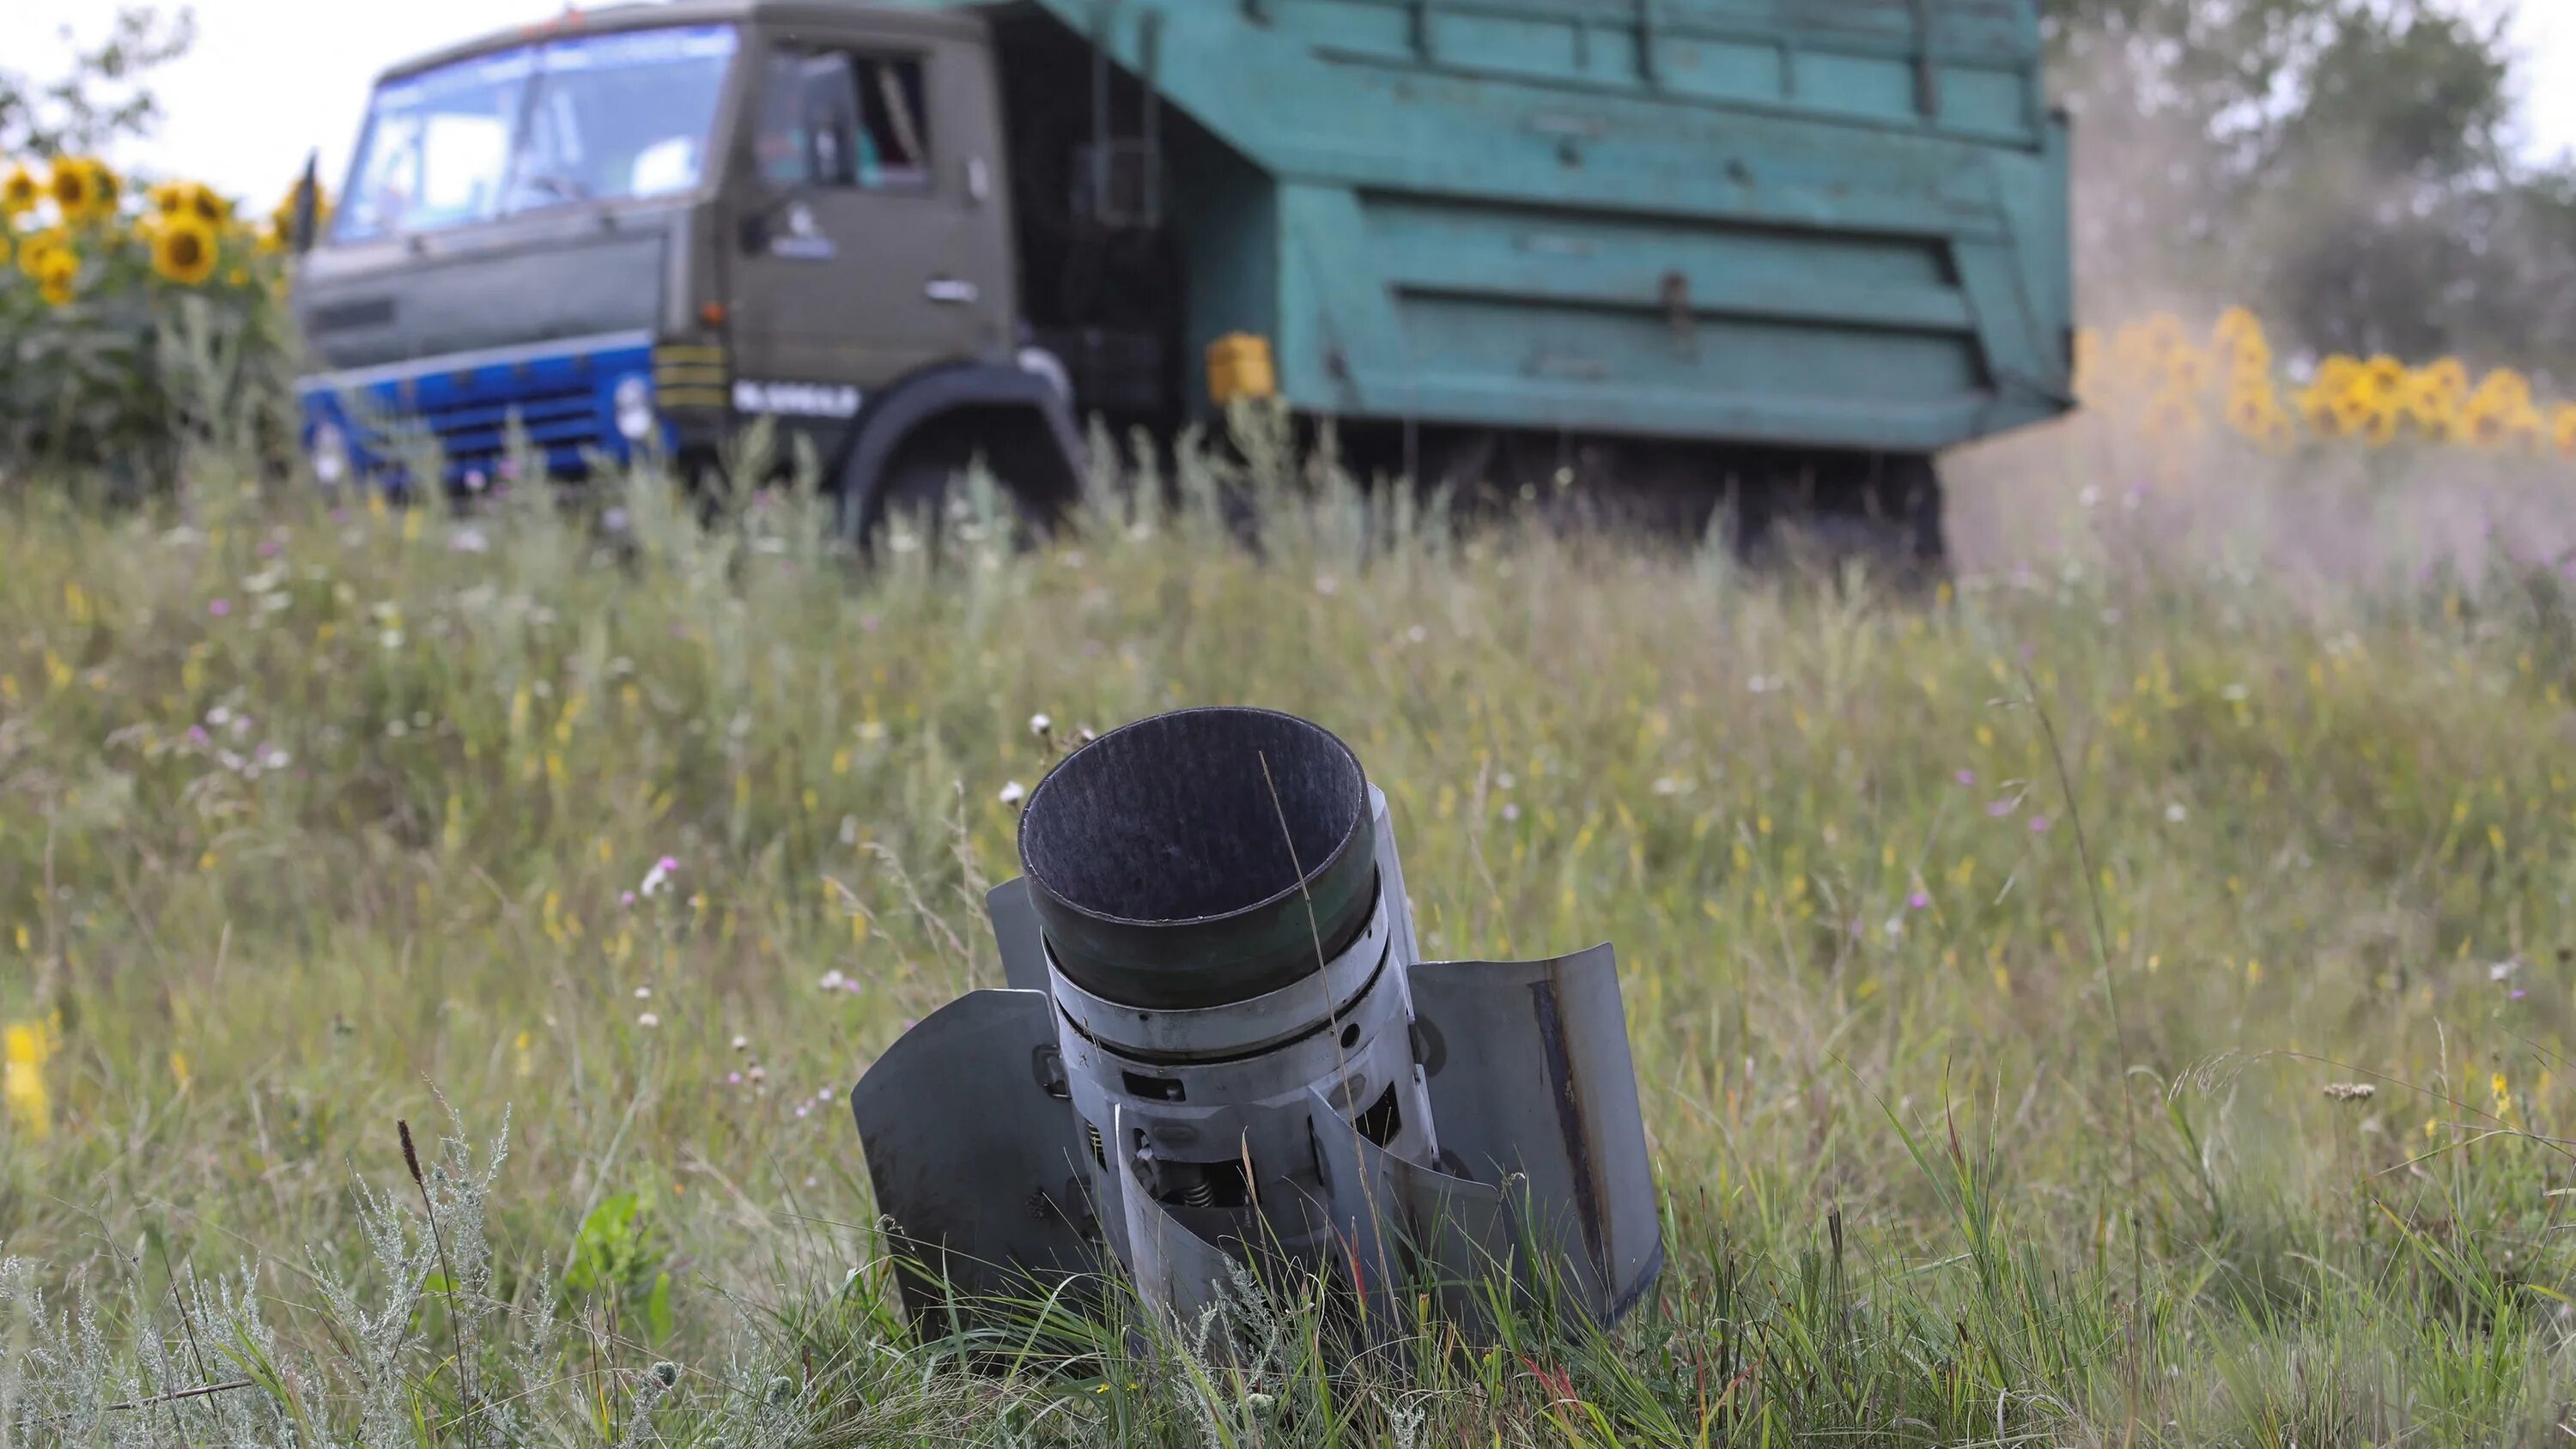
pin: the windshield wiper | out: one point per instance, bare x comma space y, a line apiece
561, 186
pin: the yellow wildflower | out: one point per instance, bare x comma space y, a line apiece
25, 1046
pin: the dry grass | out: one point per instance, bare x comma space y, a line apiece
307, 817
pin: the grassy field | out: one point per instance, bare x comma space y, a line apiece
2119, 1000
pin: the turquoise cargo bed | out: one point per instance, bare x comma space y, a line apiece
1824, 224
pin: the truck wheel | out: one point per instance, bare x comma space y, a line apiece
1883, 513
925, 480
914, 492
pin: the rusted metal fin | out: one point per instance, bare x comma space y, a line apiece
1570, 1133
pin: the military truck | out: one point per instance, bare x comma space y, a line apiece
1768, 254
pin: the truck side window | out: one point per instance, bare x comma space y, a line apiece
835, 118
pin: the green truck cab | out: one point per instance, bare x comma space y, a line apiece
1771, 254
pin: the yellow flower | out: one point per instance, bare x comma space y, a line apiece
2316, 407
2524, 427
5, 248
2188, 370
2174, 414
19, 192
25, 1046
191, 198
2448, 379
34, 249
2236, 326
184, 250
58, 276
2504, 388
2353, 412
84, 190
281, 220
2485, 422
2383, 379
2562, 428
2383, 426
2250, 356
2254, 411
2429, 403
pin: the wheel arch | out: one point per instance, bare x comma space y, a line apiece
1016, 417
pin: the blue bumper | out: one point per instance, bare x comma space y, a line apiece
563, 395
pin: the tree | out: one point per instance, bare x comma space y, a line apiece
101, 97
2339, 164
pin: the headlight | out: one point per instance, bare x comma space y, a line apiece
634, 403
329, 453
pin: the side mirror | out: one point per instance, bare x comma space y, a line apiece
308, 204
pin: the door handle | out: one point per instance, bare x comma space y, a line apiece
951, 291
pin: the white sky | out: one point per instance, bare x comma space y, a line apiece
270, 80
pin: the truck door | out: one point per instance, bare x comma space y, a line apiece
873, 239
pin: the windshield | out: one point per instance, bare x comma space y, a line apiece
597, 118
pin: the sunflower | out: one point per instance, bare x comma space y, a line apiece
2353, 413
2525, 428
2482, 424
2254, 412
2448, 377
2175, 414
2384, 377
35, 247
2188, 369
2236, 327
19, 192
2316, 408
2562, 428
2504, 388
2431, 409
280, 231
82, 188
184, 250
2164, 335
57, 276
2249, 357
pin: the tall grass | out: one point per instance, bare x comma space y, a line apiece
314, 819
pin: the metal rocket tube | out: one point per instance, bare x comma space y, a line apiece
1220, 1047
1201, 858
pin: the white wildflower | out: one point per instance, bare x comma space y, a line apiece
658, 877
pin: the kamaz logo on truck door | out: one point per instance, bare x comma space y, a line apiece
795, 399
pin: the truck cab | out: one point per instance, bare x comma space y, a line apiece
643, 227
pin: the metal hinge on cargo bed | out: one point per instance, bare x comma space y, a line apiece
1119, 179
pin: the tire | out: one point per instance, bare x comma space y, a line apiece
1880, 513
916, 486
